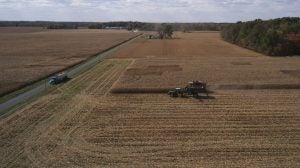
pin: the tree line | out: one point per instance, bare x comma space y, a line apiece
275, 37
155, 26
129, 25
45, 24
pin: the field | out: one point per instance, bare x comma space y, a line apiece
251, 119
29, 54
169, 64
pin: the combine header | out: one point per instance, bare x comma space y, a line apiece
192, 89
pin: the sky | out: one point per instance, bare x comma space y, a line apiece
147, 10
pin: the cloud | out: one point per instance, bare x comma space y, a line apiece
147, 10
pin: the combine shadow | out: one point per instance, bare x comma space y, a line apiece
204, 97
200, 97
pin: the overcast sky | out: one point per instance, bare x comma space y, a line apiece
147, 10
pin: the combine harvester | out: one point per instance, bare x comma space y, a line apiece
192, 89
59, 78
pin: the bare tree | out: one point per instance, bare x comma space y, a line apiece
165, 31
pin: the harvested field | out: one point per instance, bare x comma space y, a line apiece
81, 124
28, 54
84, 123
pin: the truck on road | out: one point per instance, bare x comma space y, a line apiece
59, 78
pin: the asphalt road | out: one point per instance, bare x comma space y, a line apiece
72, 72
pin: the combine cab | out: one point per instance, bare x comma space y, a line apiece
192, 89
59, 78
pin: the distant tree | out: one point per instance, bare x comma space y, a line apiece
165, 31
62, 26
271, 39
168, 30
96, 26
295, 28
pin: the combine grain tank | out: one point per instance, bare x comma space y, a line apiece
61, 77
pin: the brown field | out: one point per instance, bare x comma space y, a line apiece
171, 63
83, 124
28, 54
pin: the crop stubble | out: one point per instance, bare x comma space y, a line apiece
83, 124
